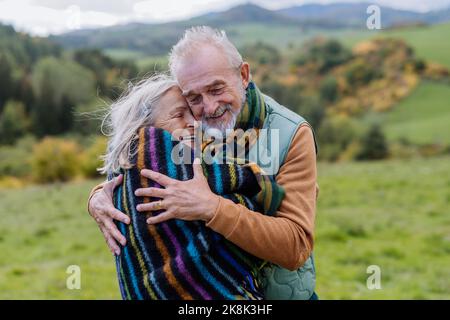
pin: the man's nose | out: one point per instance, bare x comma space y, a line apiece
209, 105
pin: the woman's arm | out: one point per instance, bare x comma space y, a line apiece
101, 208
287, 238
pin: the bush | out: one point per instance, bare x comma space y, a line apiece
91, 158
361, 73
329, 89
14, 160
11, 183
400, 150
334, 136
373, 145
312, 110
324, 53
54, 160
262, 53
351, 152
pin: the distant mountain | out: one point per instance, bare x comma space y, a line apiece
156, 39
354, 15
245, 13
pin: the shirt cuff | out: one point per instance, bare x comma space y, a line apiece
94, 191
225, 218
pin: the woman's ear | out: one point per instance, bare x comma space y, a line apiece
245, 74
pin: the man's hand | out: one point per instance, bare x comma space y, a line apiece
102, 209
186, 200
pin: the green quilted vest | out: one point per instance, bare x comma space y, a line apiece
280, 283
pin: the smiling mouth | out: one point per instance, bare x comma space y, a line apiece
216, 116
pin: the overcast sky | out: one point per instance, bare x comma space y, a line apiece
43, 17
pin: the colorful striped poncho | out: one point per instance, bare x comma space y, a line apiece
180, 259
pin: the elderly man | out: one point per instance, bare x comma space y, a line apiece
214, 79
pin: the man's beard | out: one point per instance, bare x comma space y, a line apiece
223, 127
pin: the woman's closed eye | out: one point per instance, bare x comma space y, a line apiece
194, 100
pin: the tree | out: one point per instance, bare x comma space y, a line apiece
312, 110
108, 72
334, 135
329, 90
323, 53
262, 53
58, 85
13, 122
6, 79
373, 144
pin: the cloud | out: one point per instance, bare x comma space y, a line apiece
413, 5
55, 16
41, 20
106, 6
175, 9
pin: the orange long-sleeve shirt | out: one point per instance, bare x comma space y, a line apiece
287, 238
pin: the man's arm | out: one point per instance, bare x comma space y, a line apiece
287, 238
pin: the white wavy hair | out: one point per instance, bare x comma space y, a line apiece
197, 37
132, 111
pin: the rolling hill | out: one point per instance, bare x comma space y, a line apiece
354, 15
282, 26
423, 117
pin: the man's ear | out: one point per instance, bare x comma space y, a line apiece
245, 74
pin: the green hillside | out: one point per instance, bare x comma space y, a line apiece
423, 117
430, 42
277, 27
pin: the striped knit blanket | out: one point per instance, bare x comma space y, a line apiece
180, 259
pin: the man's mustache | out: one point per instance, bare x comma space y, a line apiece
218, 112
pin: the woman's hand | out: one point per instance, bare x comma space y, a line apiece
186, 200
102, 209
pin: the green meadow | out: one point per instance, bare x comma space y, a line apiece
429, 42
393, 214
422, 117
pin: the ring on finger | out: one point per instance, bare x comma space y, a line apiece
158, 205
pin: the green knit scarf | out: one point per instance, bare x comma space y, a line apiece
251, 116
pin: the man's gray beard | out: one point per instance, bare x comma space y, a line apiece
224, 127
221, 126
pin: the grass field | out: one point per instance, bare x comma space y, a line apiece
422, 117
282, 36
428, 42
392, 214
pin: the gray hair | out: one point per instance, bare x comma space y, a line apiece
132, 111
196, 38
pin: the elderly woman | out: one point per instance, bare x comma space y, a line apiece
177, 259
